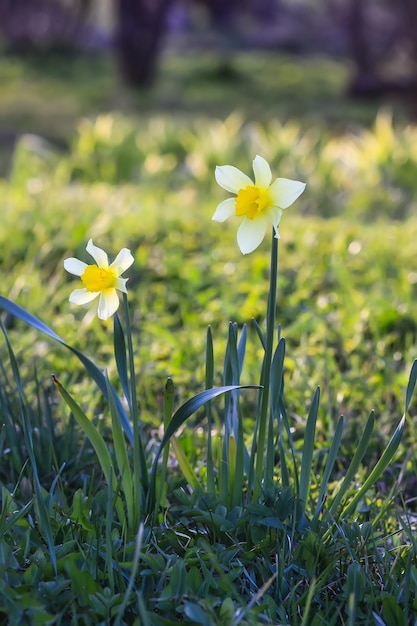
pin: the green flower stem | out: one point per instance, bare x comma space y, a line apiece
265, 382
139, 461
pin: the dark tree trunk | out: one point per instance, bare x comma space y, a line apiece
223, 13
358, 38
141, 25
370, 55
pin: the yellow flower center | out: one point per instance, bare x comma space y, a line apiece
252, 201
99, 278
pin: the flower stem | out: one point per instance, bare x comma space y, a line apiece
265, 381
139, 461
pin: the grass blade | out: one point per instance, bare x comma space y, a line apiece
383, 462
354, 464
412, 379
44, 518
169, 394
122, 459
331, 459
308, 448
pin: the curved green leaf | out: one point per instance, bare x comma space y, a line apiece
383, 462
411, 385
354, 464
180, 416
308, 448
120, 356
331, 459
90, 431
277, 369
93, 370
192, 405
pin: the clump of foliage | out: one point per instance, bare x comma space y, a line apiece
323, 535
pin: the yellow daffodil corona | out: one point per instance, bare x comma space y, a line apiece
260, 203
100, 280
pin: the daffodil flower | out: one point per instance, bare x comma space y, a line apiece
260, 203
100, 280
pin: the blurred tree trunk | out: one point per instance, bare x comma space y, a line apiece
409, 8
223, 13
141, 25
376, 41
365, 79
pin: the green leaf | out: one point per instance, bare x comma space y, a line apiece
260, 333
169, 394
276, 384
355, 582
89, 430
15, 517
43, 513
383, 462
95, 373
392, 612
192, 405
122, 459
331, 459
354, 464
411, 385
308, 448
82, 582
180, 416
121, 360
185, 465
241, 348
195, 613
277, 370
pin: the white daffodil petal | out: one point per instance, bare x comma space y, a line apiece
284, 191
225, 209
123, 260
120, 284
251, 234
82, 296
231, 179
108, 304
262, 171
275, 216
75, 266
98, 254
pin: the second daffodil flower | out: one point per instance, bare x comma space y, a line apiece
100, 280
260, 203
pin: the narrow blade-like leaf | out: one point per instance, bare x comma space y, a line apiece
308, 448
383, 462
354, 464
331, 459
411, 385
93, 370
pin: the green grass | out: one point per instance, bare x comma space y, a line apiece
346, 293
